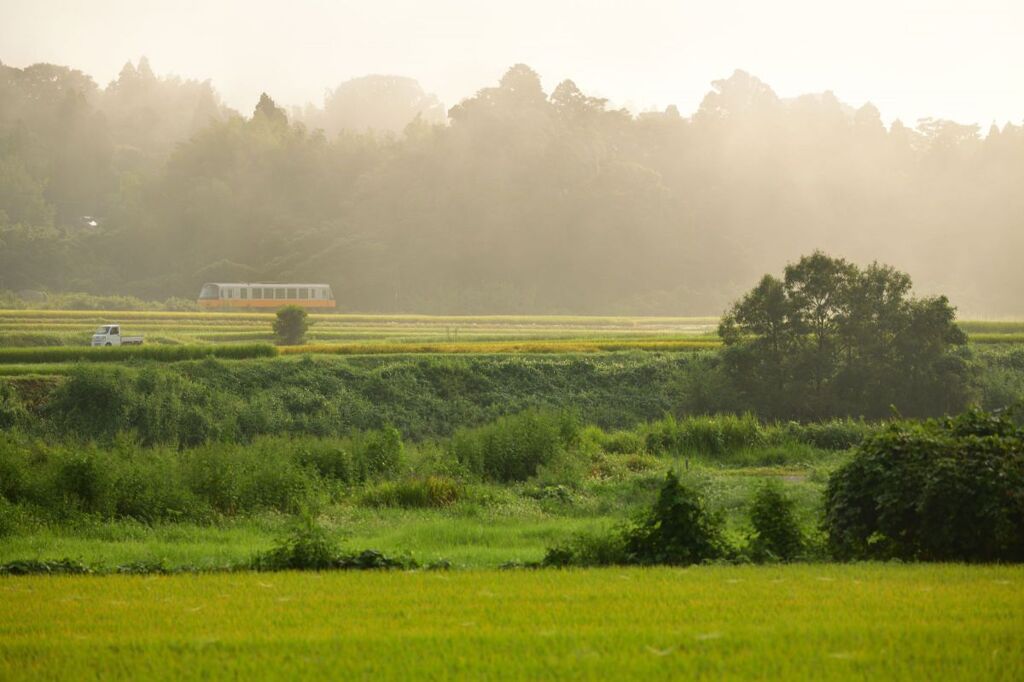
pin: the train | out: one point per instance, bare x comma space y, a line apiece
263, 295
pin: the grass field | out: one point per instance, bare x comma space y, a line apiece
901, 622
492, 525
31, 339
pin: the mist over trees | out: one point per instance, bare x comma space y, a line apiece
518, 200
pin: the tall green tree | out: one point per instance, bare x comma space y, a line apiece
831, 338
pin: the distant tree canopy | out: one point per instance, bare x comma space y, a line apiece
518, 200
830, 338
384, 104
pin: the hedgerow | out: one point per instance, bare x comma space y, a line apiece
124, 353
942, 490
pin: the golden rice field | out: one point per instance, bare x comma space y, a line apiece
353, 333
822, 622
46, 327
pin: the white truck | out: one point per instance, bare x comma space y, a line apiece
110, 335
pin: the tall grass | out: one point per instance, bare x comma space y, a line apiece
126, 481
723, 436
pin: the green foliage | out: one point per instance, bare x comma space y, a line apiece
679, 530
429, 492
948, 490
291, 325
124, 480
308, 547
512, 448
777, 535
714, 436
36, 567
12, 411
127, 353
832, 339
589, 550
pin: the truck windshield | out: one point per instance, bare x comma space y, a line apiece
103, 330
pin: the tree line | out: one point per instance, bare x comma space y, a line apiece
515, 200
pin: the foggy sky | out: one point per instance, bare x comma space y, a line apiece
911, 58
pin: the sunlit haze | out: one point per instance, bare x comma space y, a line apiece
956, 60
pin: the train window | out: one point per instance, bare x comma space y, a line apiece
210, 291
303, 293
245, 292
330, 294
278, 292
292, 292
257, 293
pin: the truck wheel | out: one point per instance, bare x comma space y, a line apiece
107, 343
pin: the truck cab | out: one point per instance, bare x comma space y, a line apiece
110, 335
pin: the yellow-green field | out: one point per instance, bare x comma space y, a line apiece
374, 334
939, 622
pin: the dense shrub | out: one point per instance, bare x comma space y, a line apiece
291, 325
949, 490
157, 406
777, 535
513, 447
12, 411
307, 547
679, 529
378, 452
835, 434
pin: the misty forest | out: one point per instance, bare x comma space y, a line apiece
514, 200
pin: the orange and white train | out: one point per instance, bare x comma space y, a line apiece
254, 295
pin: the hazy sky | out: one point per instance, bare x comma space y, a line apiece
961, 60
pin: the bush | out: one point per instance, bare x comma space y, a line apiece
679, 530
378, 453
589, 549
430, 492
948, 490
12, 411
835, 434
306, 547
309, 548
714, 436
777, 535
291, 325
512, 448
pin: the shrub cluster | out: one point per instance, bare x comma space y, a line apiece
309, 547
513, 447
679, 530
431, 491
946, 490
197, 484
725, 436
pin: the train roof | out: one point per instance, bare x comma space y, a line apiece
266, 284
